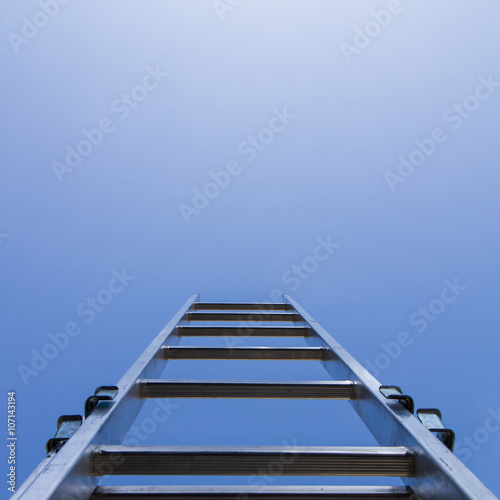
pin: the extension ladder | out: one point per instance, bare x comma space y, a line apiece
419, 450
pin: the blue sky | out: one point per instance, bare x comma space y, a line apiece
187, 147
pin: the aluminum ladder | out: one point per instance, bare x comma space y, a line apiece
419, 450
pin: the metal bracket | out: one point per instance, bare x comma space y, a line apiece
102, 393
432, 419
395, 392
67, 425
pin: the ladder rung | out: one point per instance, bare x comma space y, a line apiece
242, 316
280, 353
239, 306
243, 389
261, 460
257, 492
238, 331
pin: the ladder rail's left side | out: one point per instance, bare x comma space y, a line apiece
69, 473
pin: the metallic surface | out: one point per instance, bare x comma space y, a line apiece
263, 353
241, 316
240, 306
239, 331
261, 460
256, 492
431, 418
395, 392
67, 425
244, 389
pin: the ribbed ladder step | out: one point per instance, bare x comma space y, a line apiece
252, 492
239, 306
261, 460
241, 316
263, 353
323, 389
238, 331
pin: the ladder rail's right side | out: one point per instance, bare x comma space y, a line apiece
439, 473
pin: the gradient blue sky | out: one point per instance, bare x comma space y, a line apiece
324, 174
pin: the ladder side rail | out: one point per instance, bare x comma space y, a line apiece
35, 473
439, 473
70, 474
